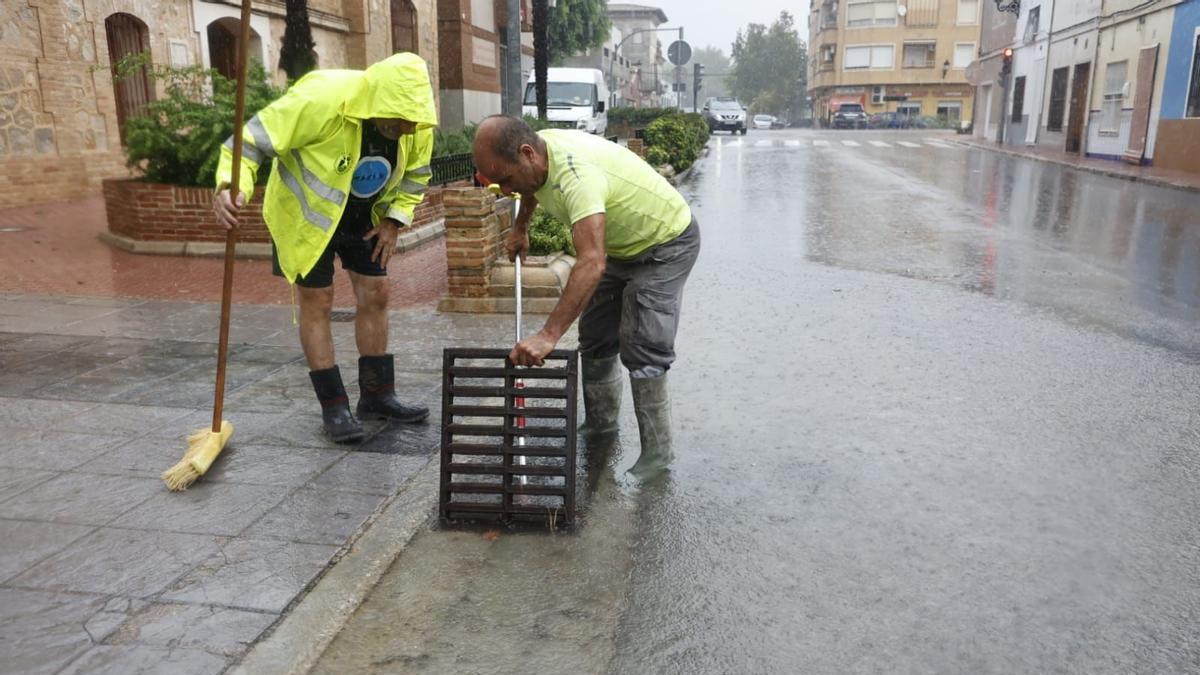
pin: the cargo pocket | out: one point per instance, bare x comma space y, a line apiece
657, 318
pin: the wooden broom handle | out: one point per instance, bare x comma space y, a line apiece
239, 115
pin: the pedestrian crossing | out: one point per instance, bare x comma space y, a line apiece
827, 143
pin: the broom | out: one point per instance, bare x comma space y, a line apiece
205, 444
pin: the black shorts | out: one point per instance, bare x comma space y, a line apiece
350, 247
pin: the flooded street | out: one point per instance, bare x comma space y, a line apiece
936, 411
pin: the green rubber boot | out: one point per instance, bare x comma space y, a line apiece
652, 405
601, 395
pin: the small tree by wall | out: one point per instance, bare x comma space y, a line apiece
297, 56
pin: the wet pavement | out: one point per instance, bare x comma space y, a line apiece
103, 570
936, 411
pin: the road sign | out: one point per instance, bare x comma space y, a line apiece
679, 53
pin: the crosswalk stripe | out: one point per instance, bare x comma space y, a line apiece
762, 144
852, 144
880, 144
935, 144
821, 144
909, 145
792, 144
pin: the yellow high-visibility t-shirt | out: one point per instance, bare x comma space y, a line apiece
590, 175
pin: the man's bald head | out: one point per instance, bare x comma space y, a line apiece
508, 152
505, 135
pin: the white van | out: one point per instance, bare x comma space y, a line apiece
575, 99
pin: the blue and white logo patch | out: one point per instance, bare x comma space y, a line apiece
370, 176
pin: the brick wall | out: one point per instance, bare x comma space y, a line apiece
58, 125
154, 212
476, 224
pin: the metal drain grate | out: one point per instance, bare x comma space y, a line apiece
491, 424
342, 316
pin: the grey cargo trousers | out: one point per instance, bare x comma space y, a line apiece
635, 309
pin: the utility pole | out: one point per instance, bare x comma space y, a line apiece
512, 45
541, 14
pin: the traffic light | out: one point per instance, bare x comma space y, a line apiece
1006, 60
697, 75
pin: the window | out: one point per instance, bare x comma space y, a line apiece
606, 52
871, 13
1114, 97
1031, 24
909, 109
1058, 99
964, 54
880, 57
128, 36
968, 12
404, 26
921, 13
1018, 109
1193, 99
950, 112
828, 53
919, 54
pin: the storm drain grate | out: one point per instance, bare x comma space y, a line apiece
342, 315
508, 438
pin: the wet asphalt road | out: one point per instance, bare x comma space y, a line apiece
936, 411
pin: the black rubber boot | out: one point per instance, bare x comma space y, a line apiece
340, 425
377, 383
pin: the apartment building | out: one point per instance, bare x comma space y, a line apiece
908, 57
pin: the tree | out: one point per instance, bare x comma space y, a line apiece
770, 67
716, 66
575, 27
297, 56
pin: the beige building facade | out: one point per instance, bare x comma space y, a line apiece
908, 57
61, 117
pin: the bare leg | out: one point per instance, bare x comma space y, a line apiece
371, 319
315, 335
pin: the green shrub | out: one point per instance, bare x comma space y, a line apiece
548, 235
636, 117
676, 140
454, 142
178, 138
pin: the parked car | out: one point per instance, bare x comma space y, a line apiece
850, 116
725, 114
764, 122
779, 123
888, 120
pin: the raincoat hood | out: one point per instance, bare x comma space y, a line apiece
396, 87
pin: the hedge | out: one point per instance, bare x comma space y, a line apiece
676, 140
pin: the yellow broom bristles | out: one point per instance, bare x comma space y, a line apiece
203, 448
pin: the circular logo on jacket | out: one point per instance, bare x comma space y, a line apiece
370, 176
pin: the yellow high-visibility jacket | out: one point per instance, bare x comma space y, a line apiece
314, 134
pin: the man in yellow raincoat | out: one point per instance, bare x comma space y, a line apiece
351, 151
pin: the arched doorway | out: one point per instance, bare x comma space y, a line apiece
128, 36
404, 26
222, 46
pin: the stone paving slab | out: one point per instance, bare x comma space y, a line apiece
107, 571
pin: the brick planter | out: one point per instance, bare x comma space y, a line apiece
173, 220
481, 279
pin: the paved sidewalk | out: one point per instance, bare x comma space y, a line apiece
55, 249
1148, 174
104, 570
106, 365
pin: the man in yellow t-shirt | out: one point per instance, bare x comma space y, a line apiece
636, 241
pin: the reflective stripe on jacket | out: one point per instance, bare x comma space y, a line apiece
314, 134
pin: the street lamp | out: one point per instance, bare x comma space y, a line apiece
612, 77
